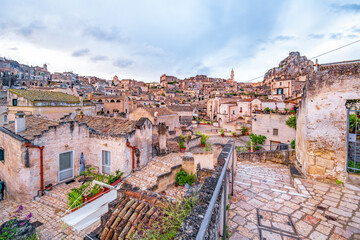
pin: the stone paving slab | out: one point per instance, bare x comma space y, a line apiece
48, 209
327, 212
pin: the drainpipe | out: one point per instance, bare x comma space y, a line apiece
133, 155
29, 145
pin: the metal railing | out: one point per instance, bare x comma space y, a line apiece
222, 180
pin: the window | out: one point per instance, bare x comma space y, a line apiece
275, 131
279, 91
14, 102
280, 83
2, 154
106, 162
240, 109
5, 118
233, 112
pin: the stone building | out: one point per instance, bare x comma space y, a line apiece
52, 105
156, 116
273, 127
39, 151
321, 134
186, 113
288, 80
115, 105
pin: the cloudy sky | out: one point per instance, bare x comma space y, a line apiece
143, 39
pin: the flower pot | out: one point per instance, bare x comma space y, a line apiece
246, 133
116, 182
223, 135
203, 144
48, 187
182, 150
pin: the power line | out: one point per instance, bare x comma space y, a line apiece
314, 57
335, 49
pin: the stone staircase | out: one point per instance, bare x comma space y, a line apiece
147, 177
273, 177
57, 197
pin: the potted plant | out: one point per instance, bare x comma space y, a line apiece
48, 187
233, 133
222, 132
203, 140
244, 130
182, 146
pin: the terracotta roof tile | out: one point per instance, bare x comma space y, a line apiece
161, 111
34, 126
135, 210
108, 125
181, 108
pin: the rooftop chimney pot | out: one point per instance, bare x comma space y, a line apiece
20, 122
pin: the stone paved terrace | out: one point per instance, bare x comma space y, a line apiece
327, 212
147, 176
48, 209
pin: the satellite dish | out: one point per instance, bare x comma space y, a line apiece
73, 115
156, 114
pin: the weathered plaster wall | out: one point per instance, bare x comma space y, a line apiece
13, 170
322, 121
265, 123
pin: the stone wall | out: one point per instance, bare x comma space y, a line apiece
11, 169
321, 133
191, 225
277, 156
194, 142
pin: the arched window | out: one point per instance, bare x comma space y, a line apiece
117, 100
112, 100
100, 100
106, 100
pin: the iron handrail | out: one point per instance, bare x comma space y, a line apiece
205, 223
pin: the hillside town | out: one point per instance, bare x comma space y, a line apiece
90, 158
179, 120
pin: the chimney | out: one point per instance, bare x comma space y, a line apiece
19, 122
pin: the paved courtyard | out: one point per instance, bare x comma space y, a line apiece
48, 210
325, 211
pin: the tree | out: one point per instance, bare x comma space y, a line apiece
291, 122
256, 141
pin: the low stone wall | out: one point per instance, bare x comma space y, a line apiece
194, 142
277, 156
166, 180
191, 225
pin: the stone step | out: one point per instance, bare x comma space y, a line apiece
56, 196
53, 203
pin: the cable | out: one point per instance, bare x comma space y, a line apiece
335, 49
313, 57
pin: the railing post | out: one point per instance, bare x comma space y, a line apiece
232, 172
224, 217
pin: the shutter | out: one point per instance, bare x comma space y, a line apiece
2, 155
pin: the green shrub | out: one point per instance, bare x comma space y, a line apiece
204, 138
292, 144
291, 122
256, 141
169, 222
183, 177
222, 132
182, 144
267, 110
233, 133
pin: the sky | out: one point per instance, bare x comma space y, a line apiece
144, 39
